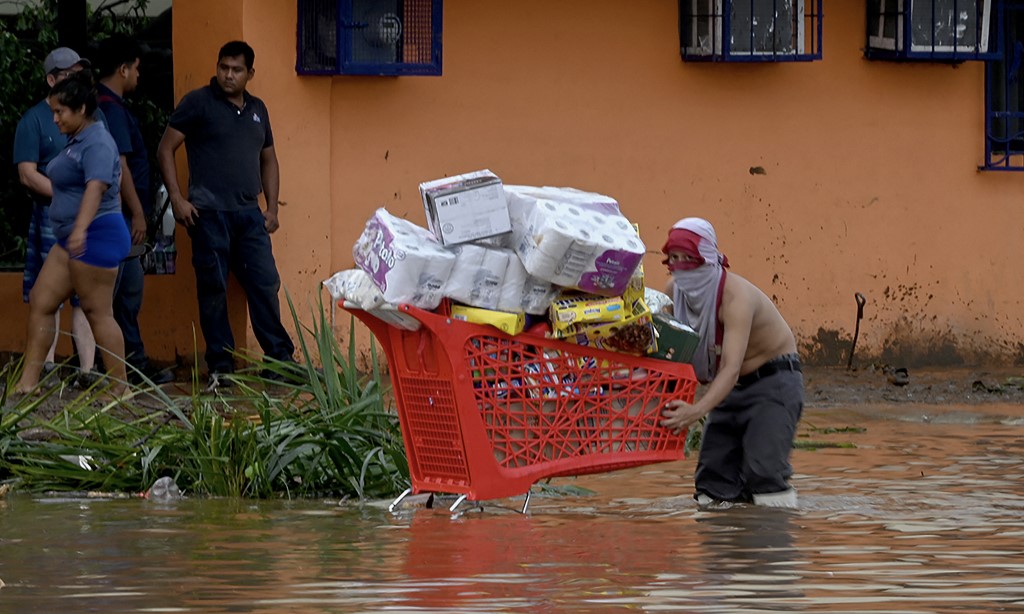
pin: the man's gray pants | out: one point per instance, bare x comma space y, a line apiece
748, 439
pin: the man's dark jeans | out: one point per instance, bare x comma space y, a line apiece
127, 305
237, 241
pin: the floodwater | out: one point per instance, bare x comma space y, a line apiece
926, 514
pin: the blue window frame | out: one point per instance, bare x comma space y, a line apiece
1004, 95
369, 37
750, 30
932, 30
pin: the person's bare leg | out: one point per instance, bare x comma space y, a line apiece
52, 287
95, 288
85, 342
50, 356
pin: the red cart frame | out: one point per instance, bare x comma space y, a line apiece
486, 415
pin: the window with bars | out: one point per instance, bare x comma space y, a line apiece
369, 37
750, 30
1004, 95
932, 30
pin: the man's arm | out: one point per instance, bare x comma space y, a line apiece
737, 315
270, 174
131, 198
31, 178
183, 210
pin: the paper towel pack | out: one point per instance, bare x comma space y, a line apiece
404, 260
574, 238
524, 292
356, 287
478, 276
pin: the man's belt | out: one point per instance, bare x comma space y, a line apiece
787, 362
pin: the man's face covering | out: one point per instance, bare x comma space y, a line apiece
683, 250
698, 270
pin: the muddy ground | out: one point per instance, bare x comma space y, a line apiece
828, 387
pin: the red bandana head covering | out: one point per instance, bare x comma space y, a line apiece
687, 242
690, 243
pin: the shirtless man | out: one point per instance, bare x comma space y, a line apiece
748, 357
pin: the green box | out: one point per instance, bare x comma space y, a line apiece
676, 341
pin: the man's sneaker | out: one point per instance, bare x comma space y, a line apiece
157, 376
706, 502
86, 379
219, 381
287, 371
785, 499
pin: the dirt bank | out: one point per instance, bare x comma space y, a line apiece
945, 386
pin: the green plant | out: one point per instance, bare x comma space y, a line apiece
322, 432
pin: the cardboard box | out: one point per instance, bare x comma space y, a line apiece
676, 341
466, 207
634, 334
511, 323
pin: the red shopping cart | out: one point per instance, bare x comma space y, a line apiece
485, 415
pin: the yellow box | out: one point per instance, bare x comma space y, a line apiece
572, 311
511, 323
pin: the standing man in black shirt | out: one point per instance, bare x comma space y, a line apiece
231, 159
118, 65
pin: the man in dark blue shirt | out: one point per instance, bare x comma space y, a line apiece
231, 159
118, 67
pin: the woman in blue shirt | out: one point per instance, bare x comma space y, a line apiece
92, 237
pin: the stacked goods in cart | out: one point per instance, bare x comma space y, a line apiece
558, 260
522, 340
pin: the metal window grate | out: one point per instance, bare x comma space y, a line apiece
931, 30
750, 30
1004, 96
369, 37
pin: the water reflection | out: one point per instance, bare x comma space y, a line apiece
923, 516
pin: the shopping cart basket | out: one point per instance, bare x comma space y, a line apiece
485, 415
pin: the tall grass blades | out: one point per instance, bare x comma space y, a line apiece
285, 429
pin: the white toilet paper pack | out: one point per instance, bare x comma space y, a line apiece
404, 260
478, 276
574, 238
523, 292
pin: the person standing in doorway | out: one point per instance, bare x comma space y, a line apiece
118, 61
231, 159
37, 140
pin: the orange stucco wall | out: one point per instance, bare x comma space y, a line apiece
870, 177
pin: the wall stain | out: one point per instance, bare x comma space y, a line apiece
827, 348
909, 343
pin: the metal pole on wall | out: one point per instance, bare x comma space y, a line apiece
71, 24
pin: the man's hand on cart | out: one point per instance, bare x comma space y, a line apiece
679, 415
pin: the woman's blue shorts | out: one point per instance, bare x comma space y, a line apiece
106, 242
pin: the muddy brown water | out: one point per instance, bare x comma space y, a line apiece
925, 514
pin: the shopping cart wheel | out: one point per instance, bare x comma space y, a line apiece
394, 504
